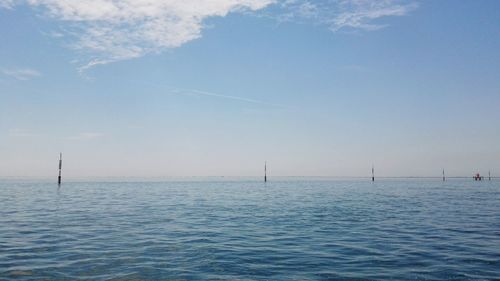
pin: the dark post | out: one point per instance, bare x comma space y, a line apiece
489, 175
265, 171
444, 178
373, 173
60, 167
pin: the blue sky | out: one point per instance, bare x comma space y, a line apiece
210, 88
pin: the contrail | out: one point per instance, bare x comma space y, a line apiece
210, 94
185, 91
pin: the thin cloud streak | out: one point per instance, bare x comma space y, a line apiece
21, 133
85, 136
191, 92
21, 74
236, 98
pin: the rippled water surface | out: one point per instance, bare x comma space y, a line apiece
248, 230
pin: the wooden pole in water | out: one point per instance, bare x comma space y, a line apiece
373, 173
265, 171
444, 178
489, 175
60, 167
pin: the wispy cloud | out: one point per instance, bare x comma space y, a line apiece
6, 4
20, 73
85, 136
195, 92
354, 68
343, 14
362, 13
21, 133
109, 30
106, 31
211, 94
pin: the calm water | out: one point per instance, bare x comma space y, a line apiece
248, 230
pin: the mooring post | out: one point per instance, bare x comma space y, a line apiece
489, 175
265, 171
60, 167
373, 172
444, 178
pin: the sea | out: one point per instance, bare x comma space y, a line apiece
245, 229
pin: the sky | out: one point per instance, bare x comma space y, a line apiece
143, 88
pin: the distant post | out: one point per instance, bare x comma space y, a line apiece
373, 173
489, 175
60, 167
265, 171
444, 178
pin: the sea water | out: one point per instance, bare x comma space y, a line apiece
285, 229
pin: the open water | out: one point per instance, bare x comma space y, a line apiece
247, 230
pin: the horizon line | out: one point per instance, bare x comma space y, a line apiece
244, 176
